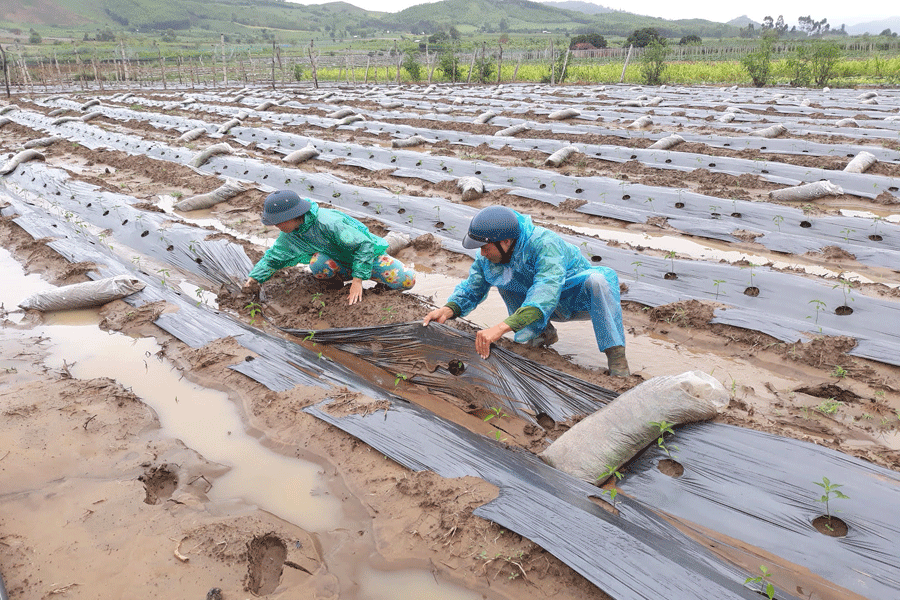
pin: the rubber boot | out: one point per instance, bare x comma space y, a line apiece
547, 337
618, 365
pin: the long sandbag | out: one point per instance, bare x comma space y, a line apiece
8, 108
62, 120
227, 191
667, 142
303, 154
89, 104
227, 125
560, 156
91, 116
44, 141
391, 105
471, 187
264, 105
512, 130
83, 295
23, 156
808, 191
413, 140
484, 117
641, 123
848, 122
861, 162
599, 444
205, 155
340, 113
349, 119
770, 132
562, 114
193, 134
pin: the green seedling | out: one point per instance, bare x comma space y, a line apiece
829, 407
671, 256
846, 287
495, 412
830, 490
778, 219
255, 311
637, 265
664, 427
847, 231
763, 581
819, 305
400, 377
498, 435
318, 302
839, 371
716, 284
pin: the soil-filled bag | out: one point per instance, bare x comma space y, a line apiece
227, 191
861, 162
83, 295
809, 191
604, 441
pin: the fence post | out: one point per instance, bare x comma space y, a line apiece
625, 66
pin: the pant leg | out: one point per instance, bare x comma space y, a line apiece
325, 267
393, 273
606, 308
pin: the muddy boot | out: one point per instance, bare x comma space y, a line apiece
547, 337
618, 365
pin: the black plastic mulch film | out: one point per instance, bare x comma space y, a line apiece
634, 555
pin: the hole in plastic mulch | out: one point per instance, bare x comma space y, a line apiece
843, 311
670, 275
830, 526
670, 467
456, 367
752, 291
805, 224
596, 258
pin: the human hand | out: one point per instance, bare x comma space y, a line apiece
250, 286
356, 290
486, 337
439, 314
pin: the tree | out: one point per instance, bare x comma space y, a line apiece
759, 63
449, 66
823, 58
641, 38
653, 63
412, 67
690, 40
34, 37
594, 39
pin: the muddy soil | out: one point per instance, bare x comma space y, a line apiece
96, 503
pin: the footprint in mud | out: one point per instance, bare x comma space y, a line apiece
159, 483
266, 562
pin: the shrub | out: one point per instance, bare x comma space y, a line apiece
759, 63
653, 63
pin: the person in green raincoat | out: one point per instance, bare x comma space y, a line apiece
336, 247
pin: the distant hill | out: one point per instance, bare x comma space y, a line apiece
588, 8
875, 27
742, 22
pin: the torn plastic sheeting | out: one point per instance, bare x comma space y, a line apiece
526, 388
637, 556
759, 489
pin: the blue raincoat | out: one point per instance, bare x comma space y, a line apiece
548, 273
331, 232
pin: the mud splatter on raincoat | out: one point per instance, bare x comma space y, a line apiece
331, 232
548, 273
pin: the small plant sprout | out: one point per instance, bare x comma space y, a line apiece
829, 407
495, 412
830, 490
671, 256
763, 581
664, 427
400, 377
819, 306
847, 231
650, 202
164, 275
255, 311
778, 219
846, 287
716, 284
839, 371
637, 265
318, 302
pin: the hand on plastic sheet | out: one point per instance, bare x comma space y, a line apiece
356, 291
439, 315
486, 337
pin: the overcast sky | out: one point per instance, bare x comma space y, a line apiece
837, 12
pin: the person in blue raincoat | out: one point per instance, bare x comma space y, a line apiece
336, 247
541, 277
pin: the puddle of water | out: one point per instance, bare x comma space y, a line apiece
418, 584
